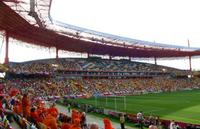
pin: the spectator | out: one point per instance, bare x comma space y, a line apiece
76, 124
69, 108
107, 124
66, 123
94, 126
83, 120
172, 125
122, 121
140, 119
50, 120
153, 127
26, 105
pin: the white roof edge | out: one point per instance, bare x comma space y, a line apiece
120, 38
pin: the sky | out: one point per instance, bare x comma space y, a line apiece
161, 21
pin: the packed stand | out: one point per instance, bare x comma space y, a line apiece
40, 114
24, 97
98, 87
31, 68
49, 66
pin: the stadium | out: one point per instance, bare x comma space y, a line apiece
107, 88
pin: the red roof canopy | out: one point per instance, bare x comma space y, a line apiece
18, 28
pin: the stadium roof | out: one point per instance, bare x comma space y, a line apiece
32, 24
120, 38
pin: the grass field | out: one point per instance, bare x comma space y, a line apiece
181, 106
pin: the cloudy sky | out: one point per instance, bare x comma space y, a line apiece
162, 21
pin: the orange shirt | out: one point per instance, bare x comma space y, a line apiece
18, 108
50, 122
26, 102
65, 126
26, 106
54, 111
76, 124
36, 116
75, 115
107, 123
74, 127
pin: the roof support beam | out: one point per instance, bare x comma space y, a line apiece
129, 58
88, 55
110, 57
155, 60
190, 63
57, 56
6, 61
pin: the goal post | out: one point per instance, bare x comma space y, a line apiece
117, 103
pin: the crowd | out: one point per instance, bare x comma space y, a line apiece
120, 65
50, 65
31, 112
24, 96
47, 66
80, 87
40, 114
33, 109
31, 68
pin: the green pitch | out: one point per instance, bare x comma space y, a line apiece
181, 106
